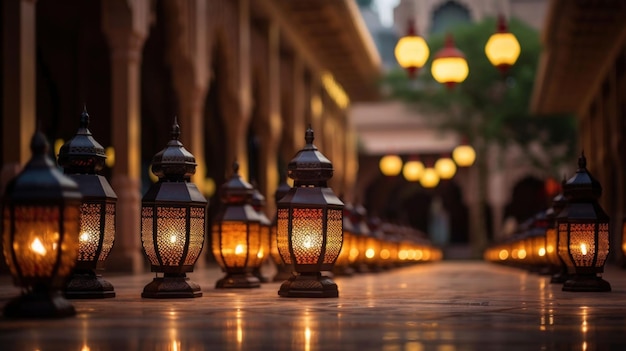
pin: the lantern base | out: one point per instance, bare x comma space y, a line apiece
87, 284
238, 281
586, 283
309, 285
39, 304
171, 286
257, 273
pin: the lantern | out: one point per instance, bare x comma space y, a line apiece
464, 155
82, 158
430, 178
412, 170
583, 229
552, 240
283, 270
390, 165
344, 261
362, 231
41, 215
310, 225
173, 220
449, 65
502, 48
237, 234
445, 167
258, 203
411, 51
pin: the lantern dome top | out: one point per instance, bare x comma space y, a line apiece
309, 166
236, 190
582, 186
41, 182
258, 200
82, 154
174, 162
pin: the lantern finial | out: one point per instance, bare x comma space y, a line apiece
82, 154
582, 160
235, 167
309, 136
175, 129
84, 118
38, 144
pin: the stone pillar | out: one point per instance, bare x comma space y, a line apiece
18, 80
125, 24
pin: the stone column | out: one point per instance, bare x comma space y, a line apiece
125, 24
18, 80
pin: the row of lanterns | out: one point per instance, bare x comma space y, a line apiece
59, 228
569, 241
449, 64
414, 170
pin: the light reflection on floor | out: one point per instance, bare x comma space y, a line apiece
452, 306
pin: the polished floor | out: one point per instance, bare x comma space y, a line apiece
447, 306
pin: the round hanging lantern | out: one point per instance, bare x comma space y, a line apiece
445, 167
502, 48
449, 65
237, 234
310, 225
413, 170
173, 220
390, 165
464, 155
583, 229
412, 51
41, 215
82, 158
430, 178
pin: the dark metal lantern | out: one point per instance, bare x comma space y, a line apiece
41, 215
173, 215
583, 229
284, 271
310, 219
82, 158
258, 203
237, 234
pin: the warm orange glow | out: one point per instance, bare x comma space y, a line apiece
450, 70
430, 178
412, 52
37, 247
384, 254
521, 254
390, 165
370, 253
583, 249
239, 249
502, 49
503, 255
110, 154
541, 252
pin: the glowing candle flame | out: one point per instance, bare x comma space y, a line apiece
542, 252
307, 242
84, 237
38, 247
260, 254
583, 249
369, 253
239, 249
173, 239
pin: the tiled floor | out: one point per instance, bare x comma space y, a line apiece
448, 306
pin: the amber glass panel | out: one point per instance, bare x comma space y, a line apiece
147, 214
307, 236
582, 244
603, 244
264, 245
231, 244
255, 244
563, 245
282, 235
196, 235
109, 232
215, 244
344, 254
89, 237
69, 246
274, 245
171, 234
334, 235
551, 247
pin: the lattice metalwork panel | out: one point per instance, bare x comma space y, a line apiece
109, 231
69, 246
232, 244
307, 235
147, 214
582, 243
171, 234
551, 246
215, 244
264, 247
196, 235
282, 235
603, 244
274, 245
334, 235
563, 244
255, 245
89, 237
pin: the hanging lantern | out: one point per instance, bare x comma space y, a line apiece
502, 48
559, 268
310, 225
82, 158
464, 155
445, 167
390, 165
430, 178
583, 229
283, 270
449, 65
237, 234
258, 203
41, 215
173, 220
413, 170
412, 51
